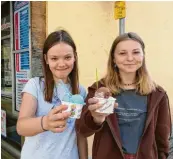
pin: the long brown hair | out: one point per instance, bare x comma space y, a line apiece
53, 39
112, 79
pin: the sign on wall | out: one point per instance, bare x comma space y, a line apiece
21, 23
22, 56
3, 123
119, 9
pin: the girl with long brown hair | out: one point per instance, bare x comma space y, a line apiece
48, 130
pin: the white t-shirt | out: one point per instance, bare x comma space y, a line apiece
49, 145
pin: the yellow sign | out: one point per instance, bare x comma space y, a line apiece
119, 10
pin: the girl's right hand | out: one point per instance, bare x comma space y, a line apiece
98, 118
56, 120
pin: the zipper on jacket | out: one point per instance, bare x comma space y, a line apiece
116, 140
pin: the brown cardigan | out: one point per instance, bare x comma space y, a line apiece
154, 143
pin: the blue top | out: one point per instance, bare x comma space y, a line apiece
131, 113
49, 145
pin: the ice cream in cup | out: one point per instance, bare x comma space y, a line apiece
108, 105
104, 97
75, 104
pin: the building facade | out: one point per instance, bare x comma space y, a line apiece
23, 31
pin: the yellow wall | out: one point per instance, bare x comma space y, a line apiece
93, 28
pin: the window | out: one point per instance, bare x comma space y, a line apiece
6, 72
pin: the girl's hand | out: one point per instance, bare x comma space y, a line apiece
56, 120
98, 118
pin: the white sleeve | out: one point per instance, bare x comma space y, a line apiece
83, 92
31, 88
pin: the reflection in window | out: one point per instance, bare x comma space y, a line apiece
5, 19
6, 74
5, 26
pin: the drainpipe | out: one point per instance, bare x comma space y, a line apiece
121, 26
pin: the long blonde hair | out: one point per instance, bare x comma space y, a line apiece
144, 83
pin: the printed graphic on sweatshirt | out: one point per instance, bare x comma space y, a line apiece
131, 115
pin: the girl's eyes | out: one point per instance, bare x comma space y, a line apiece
53, 59
68, 57
136, 52
122, 53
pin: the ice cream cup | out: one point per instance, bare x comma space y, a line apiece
74, 108
108, 105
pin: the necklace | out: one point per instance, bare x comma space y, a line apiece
129, 84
